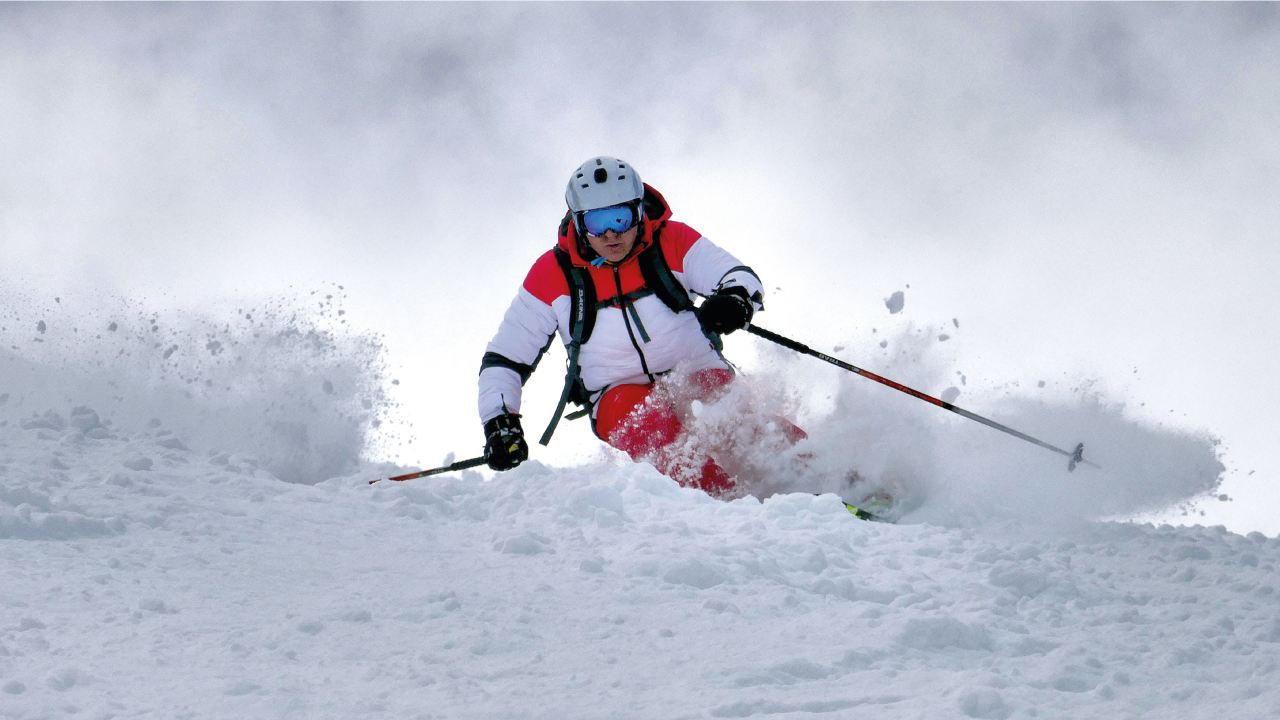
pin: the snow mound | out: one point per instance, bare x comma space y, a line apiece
27, 523
595, 591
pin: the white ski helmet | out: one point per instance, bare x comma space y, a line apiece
602, 182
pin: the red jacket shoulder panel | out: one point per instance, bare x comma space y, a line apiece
676, 239
546, 280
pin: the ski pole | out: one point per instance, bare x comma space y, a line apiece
1077, 456
460, 465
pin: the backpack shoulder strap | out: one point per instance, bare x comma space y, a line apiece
582, 298
659, 278
582, 320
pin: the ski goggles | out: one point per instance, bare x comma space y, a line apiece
618, 218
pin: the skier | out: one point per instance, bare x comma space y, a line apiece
617, 287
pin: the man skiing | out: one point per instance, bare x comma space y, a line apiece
618, 289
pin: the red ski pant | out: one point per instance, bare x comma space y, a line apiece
645, 424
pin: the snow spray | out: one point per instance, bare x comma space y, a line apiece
281, 381
943, 469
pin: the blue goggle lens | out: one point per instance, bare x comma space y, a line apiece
618, 218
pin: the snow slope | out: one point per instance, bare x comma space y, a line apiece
153, 563
204, 587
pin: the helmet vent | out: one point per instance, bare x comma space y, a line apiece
603, 182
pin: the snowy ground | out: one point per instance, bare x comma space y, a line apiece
141, 579
155, 562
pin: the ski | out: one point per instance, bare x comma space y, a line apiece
879, 506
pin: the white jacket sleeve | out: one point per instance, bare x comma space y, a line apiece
708, 268
511, 357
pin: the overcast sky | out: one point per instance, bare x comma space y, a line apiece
1090, 190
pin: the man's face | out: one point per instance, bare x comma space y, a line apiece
613, 246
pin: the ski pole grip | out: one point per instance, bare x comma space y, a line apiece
783, 341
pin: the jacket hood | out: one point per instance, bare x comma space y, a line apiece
656, 212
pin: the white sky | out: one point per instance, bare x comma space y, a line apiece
1089, 189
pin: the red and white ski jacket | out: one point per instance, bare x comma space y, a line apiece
658, 338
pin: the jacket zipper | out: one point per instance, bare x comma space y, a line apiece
622, 306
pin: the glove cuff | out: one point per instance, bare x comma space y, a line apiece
505, 421
736, 290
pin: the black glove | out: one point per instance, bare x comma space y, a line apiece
727, 310
504, 445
